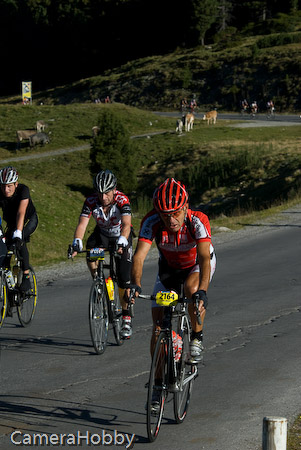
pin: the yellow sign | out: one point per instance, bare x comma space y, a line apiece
26, 92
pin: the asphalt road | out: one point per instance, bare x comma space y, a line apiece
246, 120
53, 383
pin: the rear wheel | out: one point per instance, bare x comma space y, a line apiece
117, 315
185, 374
28, 302
98, 316
157, 386
3, 301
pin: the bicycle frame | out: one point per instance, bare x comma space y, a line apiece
104, 301
173, 375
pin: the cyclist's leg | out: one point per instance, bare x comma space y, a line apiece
29, 227
191, 286
123, 268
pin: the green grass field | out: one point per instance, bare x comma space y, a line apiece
238, 163
218, 162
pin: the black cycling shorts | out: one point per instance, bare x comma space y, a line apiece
123, 264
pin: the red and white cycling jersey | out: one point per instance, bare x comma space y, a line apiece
110, 223
179, 249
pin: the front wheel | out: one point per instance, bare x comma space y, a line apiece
185, 375
157, 386
28, 302
3, 300
117, 315
98, 316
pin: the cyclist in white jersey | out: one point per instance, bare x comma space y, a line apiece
112, 213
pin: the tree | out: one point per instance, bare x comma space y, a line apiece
224, 14
201, 15
113, 150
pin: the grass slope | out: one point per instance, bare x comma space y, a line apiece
227, 170
254, 68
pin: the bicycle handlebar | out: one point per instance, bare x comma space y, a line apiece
71, 250
181, 300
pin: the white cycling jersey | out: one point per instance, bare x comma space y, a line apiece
109, 223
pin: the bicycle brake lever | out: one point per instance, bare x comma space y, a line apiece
70, 251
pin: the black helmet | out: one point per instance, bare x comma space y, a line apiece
105, 181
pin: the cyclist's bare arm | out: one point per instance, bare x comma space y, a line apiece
21, 214
126, 222
141, 252
203, 249
80, 229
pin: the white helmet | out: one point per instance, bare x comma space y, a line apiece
8, 175
105, 181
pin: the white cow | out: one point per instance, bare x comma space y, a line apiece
40, 126
179, 127
189, 120
95, 131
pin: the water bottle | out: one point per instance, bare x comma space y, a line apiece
10, 279
110, 288
177, 345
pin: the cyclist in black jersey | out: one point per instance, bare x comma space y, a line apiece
20, 216
112, 213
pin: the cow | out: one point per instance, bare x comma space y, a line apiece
24, 135
189, 120
210, 117
95, 131
39, 139
179, 127
40, 126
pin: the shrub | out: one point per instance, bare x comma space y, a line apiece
113, 150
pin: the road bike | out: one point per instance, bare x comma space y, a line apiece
104, 301
271, 113
11, 298
172, 370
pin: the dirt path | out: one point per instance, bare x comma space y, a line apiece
46, 154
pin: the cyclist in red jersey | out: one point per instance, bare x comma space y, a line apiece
112, 213
183, 238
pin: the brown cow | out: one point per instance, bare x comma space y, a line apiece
210, 117
189, 120
24, 135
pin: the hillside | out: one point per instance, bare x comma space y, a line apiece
254, 68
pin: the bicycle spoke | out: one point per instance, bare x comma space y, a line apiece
157, 387
185, 375
117, 315
27, 303
3, 302
98, 317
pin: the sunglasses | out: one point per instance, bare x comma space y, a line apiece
173, 214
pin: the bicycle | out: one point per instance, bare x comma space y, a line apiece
171, 370
104, 301
11, 298
271, 113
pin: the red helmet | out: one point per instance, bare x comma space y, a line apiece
170, 196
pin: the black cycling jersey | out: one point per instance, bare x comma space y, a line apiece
10, 205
